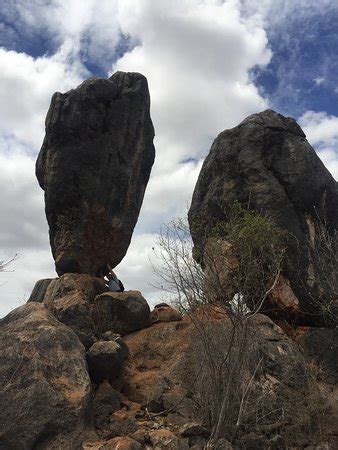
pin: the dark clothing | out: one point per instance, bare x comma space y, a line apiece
115, 285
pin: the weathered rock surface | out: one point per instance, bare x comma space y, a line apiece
266, 162
116, 443
94, 166
160, 377
39, 290
321, 344
154, 403
106, 402
70, 299
45, 387
166, 439
105, 360
84, 304
164, 313
121, 312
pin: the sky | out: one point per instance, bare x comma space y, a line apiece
209, 64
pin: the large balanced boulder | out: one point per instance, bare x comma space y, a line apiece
94, 166
45, 387
267, 163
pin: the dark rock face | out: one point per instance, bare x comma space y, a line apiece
39, 290
121, 312
321, 344
266, 162
46, 390
105, 359
94, 166
106, 402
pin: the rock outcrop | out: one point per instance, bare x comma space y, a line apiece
164, 313
70, 299
94, 166
149, 399
266, 162
39, 291
45, 387
84, 304
121, 312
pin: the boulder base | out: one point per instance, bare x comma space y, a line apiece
46, 389
70, 299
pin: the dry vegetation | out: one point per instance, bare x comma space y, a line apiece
238, 387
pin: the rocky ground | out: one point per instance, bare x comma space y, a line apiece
82, 368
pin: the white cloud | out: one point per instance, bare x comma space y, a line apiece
321, 130
319, 81
25, 90
135, 271
197, 57
89, 27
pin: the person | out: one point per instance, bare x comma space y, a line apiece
114, 284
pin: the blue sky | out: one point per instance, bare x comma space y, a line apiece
303, 72
209, 64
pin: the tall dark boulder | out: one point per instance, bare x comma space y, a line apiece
94, 166
267, 162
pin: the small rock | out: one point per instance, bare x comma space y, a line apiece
164, 313
121, 312
106, 401
110, 336
176, 400
197, 443
194, 429
141, 435
123, 423
165, 439
105, 360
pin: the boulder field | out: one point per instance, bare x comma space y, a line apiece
94, 167
137, 391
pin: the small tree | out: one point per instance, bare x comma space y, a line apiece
241, 263
324, 263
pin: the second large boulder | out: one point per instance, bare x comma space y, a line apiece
266, 164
